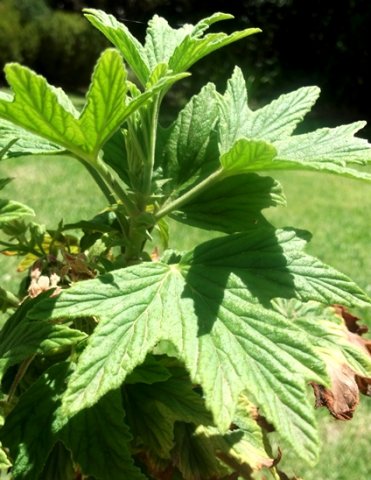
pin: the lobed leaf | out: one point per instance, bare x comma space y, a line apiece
262, 140
208, 308
47, 112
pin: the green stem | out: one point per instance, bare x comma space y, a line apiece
192, 193
148, 173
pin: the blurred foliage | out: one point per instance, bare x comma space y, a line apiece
60, 45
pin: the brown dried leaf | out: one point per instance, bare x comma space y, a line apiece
343, 397
354, 336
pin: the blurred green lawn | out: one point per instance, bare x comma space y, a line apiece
335, 210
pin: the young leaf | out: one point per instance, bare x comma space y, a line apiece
234, 112
234, 204
4, 460
44, 111
11, 210
196, 45
104, 110
161, 40
118, 34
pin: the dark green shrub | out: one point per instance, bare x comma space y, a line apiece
69, 49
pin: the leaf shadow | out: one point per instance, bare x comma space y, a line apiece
231, 272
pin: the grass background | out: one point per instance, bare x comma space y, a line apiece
335, 210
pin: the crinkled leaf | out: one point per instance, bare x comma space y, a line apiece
234, 111
187, 146
161, 40
234, 204
45, 111
38, 422
262, 140
272, 122
207, 308
11, 210
119, 35
327, 149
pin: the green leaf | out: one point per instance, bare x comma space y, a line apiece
234, 111
207, 308
118, 34
270, 123
47, 112
151, 371
279, 118
36, 107
28, 428
234, 204
329, 334
26, 143
161, 40
154, 409
100, 440
248, 156
21, 338
38, 422
104, 110
7, 300
11, 210
59, 464
195, 46
4, 460
187, 147
327, 149
194, 454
